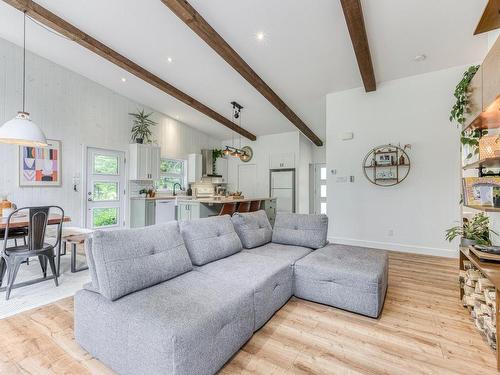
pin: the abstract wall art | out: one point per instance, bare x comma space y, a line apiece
40, 166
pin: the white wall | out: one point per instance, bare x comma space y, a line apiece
412, 110
77, 111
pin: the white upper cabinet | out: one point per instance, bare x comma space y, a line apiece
144, 163
194, 168
221, 168
282, 161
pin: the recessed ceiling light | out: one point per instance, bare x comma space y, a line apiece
260, 35
169, 59
419, 58
124, 79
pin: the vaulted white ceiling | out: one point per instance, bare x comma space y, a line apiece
306, 52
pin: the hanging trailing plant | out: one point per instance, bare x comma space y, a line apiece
141, 132
461, 106
216, 154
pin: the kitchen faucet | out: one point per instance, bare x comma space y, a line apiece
180, 187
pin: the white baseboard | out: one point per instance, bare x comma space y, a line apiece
396, 247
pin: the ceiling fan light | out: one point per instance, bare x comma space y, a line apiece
227, 151
22, 131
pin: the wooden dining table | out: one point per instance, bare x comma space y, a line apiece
22, 221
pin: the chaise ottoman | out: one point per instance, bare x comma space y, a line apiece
348, 277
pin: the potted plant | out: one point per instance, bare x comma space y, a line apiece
475, 231
216, 153
141, 132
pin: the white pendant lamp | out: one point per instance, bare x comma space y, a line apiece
21, 130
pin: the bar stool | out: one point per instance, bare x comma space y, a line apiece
244, 207
228, 209
255, 206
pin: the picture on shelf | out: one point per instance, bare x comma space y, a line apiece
383, 159
480, 191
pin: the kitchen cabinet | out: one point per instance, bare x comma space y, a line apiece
142, 213
221, 166
188, 211
194, 168
144, 162
282, 161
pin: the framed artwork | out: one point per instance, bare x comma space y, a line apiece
40, 166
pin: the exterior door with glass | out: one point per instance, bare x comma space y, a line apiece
320, 189
105, 189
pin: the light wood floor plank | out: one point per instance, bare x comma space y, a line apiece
422, 330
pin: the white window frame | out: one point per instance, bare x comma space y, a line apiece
182, 175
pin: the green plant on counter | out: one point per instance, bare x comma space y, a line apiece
141, 132
476, 229
216, 154
461, 106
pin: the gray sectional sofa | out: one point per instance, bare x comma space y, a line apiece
182, 298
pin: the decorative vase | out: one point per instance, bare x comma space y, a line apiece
4, 204
139, 140
465, 242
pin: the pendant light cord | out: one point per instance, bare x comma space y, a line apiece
24, 61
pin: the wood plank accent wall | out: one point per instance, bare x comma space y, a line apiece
56, 23
202, 28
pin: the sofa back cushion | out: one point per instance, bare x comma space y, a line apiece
129, 260
301, 230
210, 238
253, 228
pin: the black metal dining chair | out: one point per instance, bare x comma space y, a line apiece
12, 257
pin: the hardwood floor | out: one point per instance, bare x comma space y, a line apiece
422, 330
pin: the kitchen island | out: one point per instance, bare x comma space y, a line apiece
149, 211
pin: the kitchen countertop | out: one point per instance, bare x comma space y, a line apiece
212, 200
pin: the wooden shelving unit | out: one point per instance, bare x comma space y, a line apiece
485, 163
484, 208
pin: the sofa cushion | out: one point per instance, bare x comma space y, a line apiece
349, 277
133, 259
270, 280
253, 228
289, 253
210, 238
301, 230
191, 324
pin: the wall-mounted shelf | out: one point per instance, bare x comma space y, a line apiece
484, 208
485, 163
386, 165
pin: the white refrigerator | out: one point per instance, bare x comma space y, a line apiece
282, 183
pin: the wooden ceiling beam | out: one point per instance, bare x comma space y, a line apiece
202, 28
490, 20
353, 14
56, 23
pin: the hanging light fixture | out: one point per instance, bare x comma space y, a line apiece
21, 130
232, 150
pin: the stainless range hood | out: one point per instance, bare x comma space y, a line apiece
207, 165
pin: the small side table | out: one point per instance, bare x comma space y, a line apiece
75, 240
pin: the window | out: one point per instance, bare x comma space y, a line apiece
171, 171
